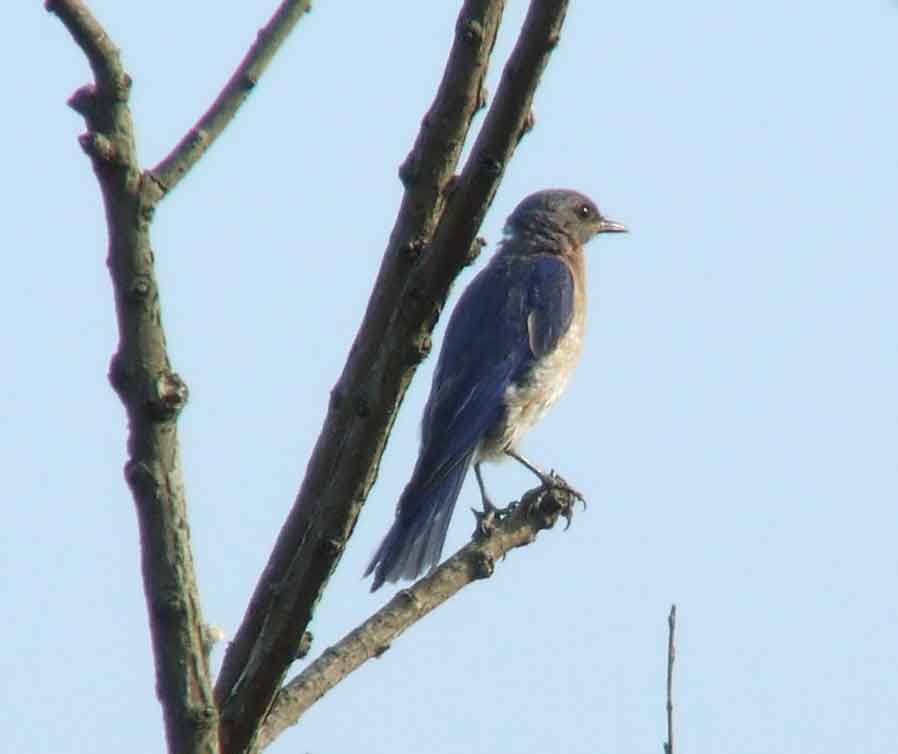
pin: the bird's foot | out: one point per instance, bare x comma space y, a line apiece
553, 481
490, 516
486, 519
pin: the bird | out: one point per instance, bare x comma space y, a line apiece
510, 347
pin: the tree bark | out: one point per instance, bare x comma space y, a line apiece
433, 238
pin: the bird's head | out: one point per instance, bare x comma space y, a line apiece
565, 217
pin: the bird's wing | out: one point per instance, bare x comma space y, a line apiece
512, 313
550, 304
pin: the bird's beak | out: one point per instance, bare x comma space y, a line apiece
609, 226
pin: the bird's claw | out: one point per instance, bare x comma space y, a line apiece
491, 515
568, 514
557, 482
554, 481
485, 520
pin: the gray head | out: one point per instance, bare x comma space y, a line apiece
559, 215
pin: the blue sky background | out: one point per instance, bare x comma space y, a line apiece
733, 423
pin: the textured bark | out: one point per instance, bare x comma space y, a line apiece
363, 403
141, 372
431, 242
153, 396
539, 509
434, 236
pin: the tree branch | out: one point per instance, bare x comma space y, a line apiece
507, 121
96, 45
184, 156
671, 655
538, 509
363, 404
432, 239
153, 396
393, 338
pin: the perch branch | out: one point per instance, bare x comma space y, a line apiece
393, 338
363, 403
539, 509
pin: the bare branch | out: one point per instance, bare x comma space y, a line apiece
393, 338
671, 654
153, 396
96, 45
539, 509
184, 156
427, 248
507, 121
363, 404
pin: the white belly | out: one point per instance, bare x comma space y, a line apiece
528, 401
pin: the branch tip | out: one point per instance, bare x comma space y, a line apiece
243, 80
671, 655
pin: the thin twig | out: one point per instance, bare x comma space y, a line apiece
90, 36
539, 509
184, 156
153, 396
671, 654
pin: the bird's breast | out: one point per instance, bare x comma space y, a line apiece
528, 399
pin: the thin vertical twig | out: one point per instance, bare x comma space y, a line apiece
671, 654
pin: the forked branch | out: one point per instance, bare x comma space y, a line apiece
152, 393
430, 243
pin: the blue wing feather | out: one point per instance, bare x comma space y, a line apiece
512, 313
550, 304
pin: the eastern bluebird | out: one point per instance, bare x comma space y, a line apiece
512, 342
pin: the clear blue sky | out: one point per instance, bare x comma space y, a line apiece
734, 422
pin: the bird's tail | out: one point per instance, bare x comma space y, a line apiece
415, 540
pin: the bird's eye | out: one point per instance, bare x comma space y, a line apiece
585, 211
